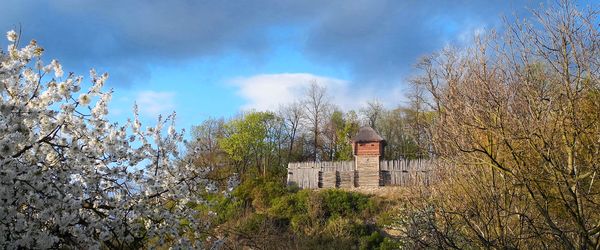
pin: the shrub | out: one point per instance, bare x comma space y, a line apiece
340, 227
263, 194
344, 203
253, 223
289, 205
372, 241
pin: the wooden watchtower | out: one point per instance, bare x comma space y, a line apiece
367, 147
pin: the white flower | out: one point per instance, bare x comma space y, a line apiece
84, 99
11, 36
67, 154
63, 89
171, 130
58, 72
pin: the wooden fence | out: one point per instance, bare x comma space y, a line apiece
343, 174
407, 172
320, 174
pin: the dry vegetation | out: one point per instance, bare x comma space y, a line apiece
518, 128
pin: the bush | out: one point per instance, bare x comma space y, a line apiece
301, 223
263, 194
340, 227
264, 209
259, 193
344, 203
389, 244
371, 242
291, 204
253, 223
225, 207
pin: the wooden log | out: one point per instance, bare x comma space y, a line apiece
368, 178
328, 179
346, 179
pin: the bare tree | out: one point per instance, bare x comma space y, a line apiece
204, 147
419, 118
316, 106
518, 127
292, 116
372, 112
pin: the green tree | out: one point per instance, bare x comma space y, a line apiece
394, 127
251, 140
332, 137
349, 130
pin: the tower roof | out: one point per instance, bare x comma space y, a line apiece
367, 134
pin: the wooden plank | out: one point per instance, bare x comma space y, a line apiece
368, 178
346, 179
328, 179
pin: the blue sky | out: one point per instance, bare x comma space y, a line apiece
217, 58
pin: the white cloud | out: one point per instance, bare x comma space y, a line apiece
269, 91
153, 103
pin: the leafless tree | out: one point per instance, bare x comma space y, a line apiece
518, 129
292, 116
204, 146
316, 106
373, 111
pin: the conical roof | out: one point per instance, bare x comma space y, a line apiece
367, 134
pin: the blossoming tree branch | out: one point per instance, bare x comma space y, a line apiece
70, 177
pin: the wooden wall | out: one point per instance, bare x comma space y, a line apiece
368, 148
407, 172
344, 174
304, 177
367, 171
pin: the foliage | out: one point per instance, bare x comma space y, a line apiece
401, 132
337, 135
246, 136
343, 203
261, 213
253, 140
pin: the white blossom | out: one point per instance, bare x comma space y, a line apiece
58, 72
11, 36
84, 99
69, 178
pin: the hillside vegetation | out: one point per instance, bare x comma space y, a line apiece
267, 215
